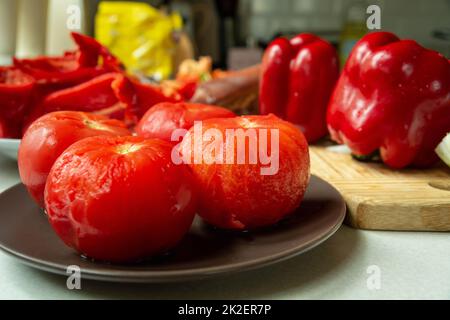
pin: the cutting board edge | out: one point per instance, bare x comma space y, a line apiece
372, 215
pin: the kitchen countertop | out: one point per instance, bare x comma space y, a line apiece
411, 265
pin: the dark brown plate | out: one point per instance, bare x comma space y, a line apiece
26, 235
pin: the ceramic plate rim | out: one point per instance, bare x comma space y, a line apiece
157, 276
10, 144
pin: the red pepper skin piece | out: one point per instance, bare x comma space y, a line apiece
93, 95
72, 68
90, 50
298, 77
16, 90
61, 72
394, 96
148, 96
111, 94
187, 90
90, 96
139, 97
96, 95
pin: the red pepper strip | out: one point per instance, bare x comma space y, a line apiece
111, 94
179, 89
90, 50
15, 93
140, 97
393, 96
96, 95
186, 89
92, 95
297, 78
63, 71
73, 67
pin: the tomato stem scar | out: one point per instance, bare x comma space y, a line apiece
96, 125
127, 148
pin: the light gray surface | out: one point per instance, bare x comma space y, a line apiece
9, 148
413, 265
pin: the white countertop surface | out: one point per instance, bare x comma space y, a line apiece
412, 265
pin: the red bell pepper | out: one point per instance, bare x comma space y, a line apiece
297, 79
393, 96
15, 93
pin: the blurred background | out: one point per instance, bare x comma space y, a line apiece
152, 37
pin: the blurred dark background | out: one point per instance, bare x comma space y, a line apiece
234, 32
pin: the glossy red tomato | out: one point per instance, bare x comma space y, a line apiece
162, 119
240, 194
49, 136
120, 199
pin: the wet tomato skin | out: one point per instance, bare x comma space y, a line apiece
120, 199
162, 119
49, 136
236, 196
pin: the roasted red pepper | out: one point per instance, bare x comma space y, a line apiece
92, 54
393, 96
88, 79
139, 97
111, 94
74, 67
91, 96
96, 95
15, 92
297, 79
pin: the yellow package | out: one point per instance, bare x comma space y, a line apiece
139, 35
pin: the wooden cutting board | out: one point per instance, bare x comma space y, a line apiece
384, 199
